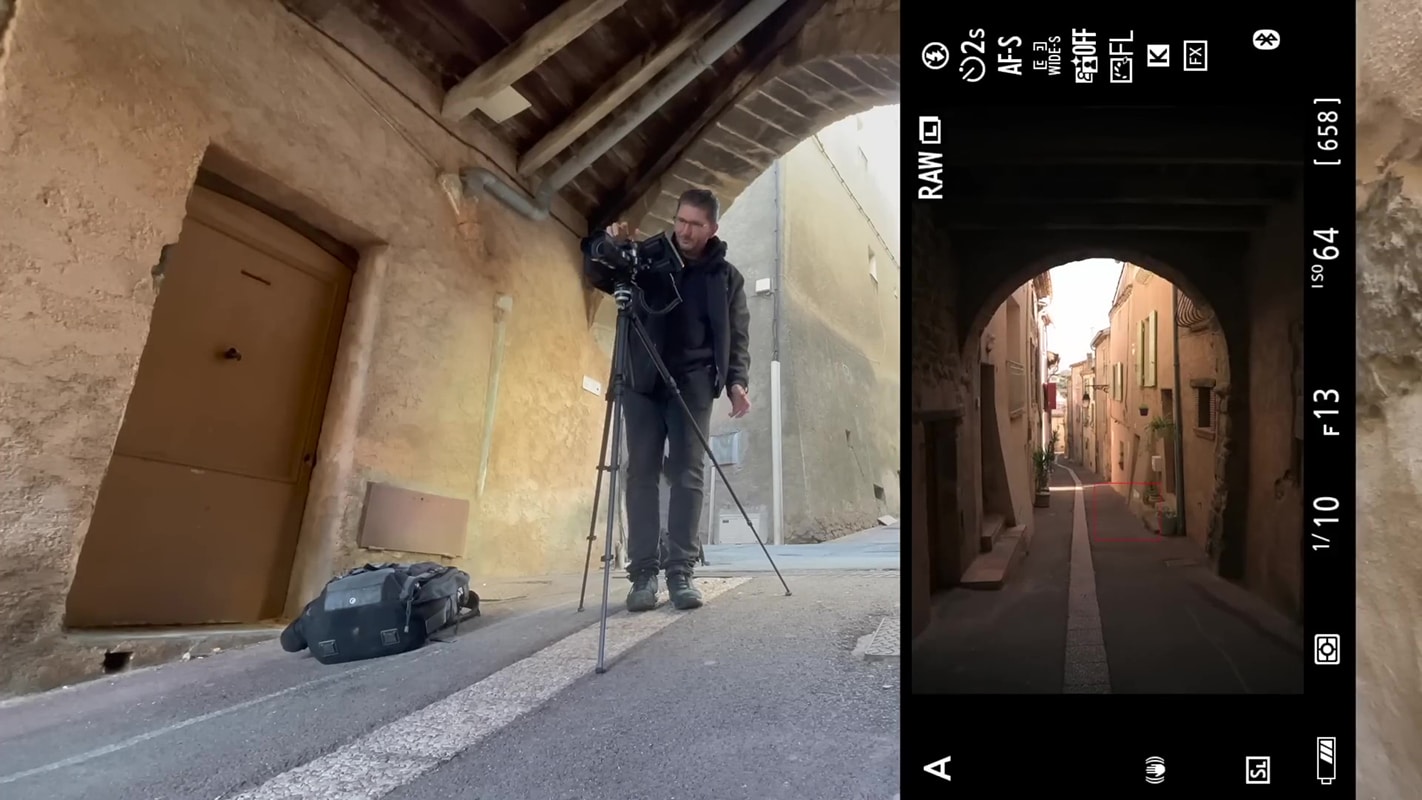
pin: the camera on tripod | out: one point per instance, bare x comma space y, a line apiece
629, 260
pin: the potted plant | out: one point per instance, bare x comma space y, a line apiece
1169, 522
1145, 410
1160, 428
1042, 466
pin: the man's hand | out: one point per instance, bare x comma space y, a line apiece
622, 231
740, 401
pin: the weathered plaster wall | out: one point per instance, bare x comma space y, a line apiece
839, 341
107, 110
1273, 550
1202, 358
1101, 414
1389, 262
944, 378
1149, 293
841, 333
1007, 487
7, 10
751, 229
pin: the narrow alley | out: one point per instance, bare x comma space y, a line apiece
1101, 604
695, 704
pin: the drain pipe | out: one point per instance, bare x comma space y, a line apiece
477, 179
1179, 417
777, 420
503, 306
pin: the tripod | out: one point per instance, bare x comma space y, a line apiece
628, 324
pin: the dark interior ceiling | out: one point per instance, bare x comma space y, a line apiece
1024, 171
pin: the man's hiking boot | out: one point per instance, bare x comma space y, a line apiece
684, 594
643, 596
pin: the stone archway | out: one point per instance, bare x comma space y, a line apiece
1225, 542
844, 61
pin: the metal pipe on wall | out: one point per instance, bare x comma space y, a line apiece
777, 440
1179, 416
503, 306
730, 33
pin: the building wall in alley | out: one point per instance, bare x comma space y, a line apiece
1059, 386
1099, 460
1078, 426
1389, 407
1143, 445
101, 147
1141, 360
1012, 421
1204, 375
823, 234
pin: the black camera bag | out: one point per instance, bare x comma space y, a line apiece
380, 609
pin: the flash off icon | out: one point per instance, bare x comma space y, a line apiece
930, 130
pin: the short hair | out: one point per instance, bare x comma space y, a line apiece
702, 199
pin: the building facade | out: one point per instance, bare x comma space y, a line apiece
1078, 405
1164, 410
1099, 412
1058, 390
816, 237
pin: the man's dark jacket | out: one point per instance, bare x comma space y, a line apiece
714, 295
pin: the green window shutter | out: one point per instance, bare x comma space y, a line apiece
1140, 353
1153, 348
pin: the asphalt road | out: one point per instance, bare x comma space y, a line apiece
755, 695
1169, 624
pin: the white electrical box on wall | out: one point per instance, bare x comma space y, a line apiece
592, 386
762, 286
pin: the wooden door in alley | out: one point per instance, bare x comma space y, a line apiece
945, 534
197, 517
1167, 410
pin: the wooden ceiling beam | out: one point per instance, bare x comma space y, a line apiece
633, 76
782, 27
546, 37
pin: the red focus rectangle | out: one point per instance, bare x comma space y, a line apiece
1092, 516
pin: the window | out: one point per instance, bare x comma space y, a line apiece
1146, 350
1204, 407
1016, 389
873, 266
1118, 381
726, 447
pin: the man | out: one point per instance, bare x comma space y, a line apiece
704, 341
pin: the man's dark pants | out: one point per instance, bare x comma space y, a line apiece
656, 422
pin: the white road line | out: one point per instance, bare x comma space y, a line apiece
177, 726
1086, 670
397, 753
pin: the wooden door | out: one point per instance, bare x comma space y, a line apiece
197, 518
945, 528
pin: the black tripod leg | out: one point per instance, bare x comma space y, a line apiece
670, 383
619, 363
602, 467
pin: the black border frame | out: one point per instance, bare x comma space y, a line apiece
1011, 744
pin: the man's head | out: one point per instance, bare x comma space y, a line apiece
696, 215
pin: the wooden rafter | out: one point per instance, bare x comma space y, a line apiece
546, 37
785, 24
633, 76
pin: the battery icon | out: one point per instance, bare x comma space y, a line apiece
1327, 760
